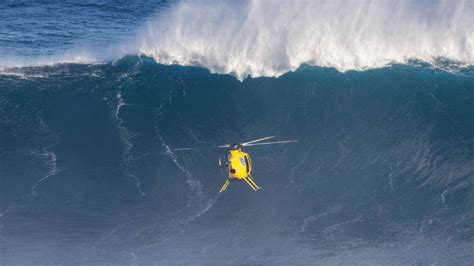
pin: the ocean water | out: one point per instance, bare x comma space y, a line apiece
95, 95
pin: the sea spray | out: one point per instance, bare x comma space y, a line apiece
270, 38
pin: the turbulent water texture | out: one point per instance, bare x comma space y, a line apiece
383, 173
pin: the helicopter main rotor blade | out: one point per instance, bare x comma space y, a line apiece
245, 144
202, 148
272, 142
257, 140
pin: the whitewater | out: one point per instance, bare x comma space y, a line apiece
269, 38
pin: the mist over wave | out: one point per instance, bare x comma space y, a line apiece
269, 38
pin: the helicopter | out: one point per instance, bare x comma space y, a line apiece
238, 163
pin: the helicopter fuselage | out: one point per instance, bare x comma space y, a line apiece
239, 164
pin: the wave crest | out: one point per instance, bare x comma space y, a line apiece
272, 37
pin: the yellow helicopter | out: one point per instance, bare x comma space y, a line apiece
238, 163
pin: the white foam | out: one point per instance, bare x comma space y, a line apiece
272, 37
126, 136
53, 169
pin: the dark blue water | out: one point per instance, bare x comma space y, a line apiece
44, 32
383, 173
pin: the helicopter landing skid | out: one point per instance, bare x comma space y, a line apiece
251, 183
248, 180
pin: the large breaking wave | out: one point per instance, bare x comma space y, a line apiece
383, 172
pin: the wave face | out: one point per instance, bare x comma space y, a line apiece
382, 173
272, 37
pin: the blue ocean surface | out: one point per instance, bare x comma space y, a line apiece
96, 95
